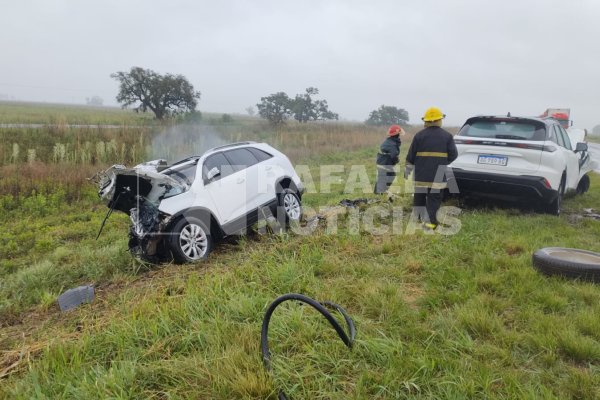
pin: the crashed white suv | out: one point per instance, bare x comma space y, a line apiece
512, 157
181, 209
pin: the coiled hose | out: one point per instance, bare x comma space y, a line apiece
264, 341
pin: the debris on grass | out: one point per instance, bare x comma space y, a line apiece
74, 297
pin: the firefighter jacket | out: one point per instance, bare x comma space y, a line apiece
431, 150
389, 151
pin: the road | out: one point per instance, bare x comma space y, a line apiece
595, 154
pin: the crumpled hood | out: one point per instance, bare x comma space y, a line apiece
123, 188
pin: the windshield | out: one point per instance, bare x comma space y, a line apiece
184, 174
517, 130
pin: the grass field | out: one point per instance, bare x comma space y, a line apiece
458, 316
61, 114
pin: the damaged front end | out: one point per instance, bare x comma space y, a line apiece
138, 192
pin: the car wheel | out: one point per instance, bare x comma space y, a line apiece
583, 185
290, 206
573, 263
190, 240
556, 204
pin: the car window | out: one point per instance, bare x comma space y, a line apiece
554, 136
560, 140
240, 158
565, 137
259, 154
219, 161
517, 130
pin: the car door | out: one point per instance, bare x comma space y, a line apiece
225, 188
245, 165
268, 173
571, 158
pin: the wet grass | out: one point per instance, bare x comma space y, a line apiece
459, 316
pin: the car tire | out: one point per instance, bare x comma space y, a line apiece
556, 204
572, 263
289, 206
583, 185
190, 240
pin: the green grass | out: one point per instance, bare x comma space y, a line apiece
460, 316
61, 114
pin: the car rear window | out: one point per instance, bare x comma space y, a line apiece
516, 130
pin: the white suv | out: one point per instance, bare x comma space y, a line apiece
513, 157
181, 209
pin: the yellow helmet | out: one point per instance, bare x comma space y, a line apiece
433, 114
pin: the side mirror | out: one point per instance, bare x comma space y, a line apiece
212, 173
581, 147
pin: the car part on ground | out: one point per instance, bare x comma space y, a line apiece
504, 157
572, 263
347, 338
179, 211
74, 297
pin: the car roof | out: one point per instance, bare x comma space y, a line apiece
546, 121
217, 149
228, 146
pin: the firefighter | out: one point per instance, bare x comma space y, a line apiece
431, 150
387, 158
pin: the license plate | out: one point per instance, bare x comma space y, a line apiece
492, 160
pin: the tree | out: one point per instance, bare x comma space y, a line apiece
388, 115
305, 109
278, 107
275, 108
164, 95
250, 111
94, 101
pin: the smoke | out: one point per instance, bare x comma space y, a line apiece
177, 142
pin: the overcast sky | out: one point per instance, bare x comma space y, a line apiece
467, 57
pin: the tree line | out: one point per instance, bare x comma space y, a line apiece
168, 95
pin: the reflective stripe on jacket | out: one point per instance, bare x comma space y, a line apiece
431, 150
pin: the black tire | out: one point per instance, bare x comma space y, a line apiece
556, 204
289, 206
572, 263
190, 240
583, 185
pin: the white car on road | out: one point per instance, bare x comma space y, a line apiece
180, 210
512, 157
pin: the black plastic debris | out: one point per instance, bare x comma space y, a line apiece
353, 203
75, 297
347, 337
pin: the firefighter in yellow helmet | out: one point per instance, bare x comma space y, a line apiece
431, 150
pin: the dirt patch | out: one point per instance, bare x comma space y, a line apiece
586, 213
412, 294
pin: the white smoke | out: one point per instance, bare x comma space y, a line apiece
177, 142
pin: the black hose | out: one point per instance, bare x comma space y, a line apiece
264, 342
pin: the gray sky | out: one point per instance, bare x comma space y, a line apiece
467, 57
